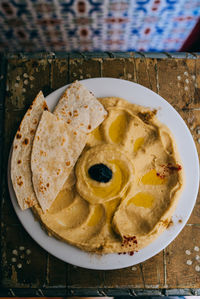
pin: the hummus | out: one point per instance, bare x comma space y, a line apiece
135, 205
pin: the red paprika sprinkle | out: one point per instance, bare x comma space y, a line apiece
176, 167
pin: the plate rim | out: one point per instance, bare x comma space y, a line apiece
128, 261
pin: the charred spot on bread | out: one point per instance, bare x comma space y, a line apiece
26, 141
44, 106
19, 181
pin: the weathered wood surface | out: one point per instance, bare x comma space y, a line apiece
24, 263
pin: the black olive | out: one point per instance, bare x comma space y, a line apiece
100, 173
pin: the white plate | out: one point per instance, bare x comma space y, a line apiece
134, 93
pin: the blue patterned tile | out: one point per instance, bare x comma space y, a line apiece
111, 25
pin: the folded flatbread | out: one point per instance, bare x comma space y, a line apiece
21, 154
80, 109
56, 148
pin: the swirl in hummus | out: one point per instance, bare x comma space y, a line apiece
131, 209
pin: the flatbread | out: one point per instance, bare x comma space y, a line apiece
80, 109
56, 148
21, 155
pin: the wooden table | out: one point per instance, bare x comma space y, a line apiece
28, 270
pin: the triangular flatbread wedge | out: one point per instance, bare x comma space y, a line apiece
80, 109
56, 149
21, 154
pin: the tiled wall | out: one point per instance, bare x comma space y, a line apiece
96, 25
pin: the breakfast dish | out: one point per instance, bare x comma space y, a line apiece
121, 188
124, 187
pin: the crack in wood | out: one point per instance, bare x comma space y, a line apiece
190, 99
147, 70
157, 79
158, 274
47, 271
190, 109
165, 267
135, 70
142, 274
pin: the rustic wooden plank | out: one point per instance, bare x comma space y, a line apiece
11, 123
23, 261
8, 216
192, 119
113, 67
1, 146
1, 122
130, 277
183, 259
84, 69
176, 82
146, 72
195, 216
3, 68
196, 79
149, 274
2, 74
1, 128
25, 78
59, 73
153, 272
56, 272
130, 71
84, 278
